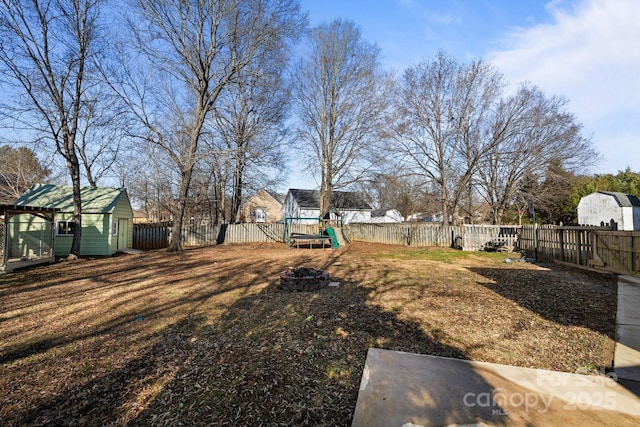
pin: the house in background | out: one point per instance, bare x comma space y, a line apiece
262, 207
107, 219
305, 205
380, 216
607, 207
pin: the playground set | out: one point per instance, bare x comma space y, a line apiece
329, 234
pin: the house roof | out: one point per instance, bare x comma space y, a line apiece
623, 200
381, 212
94, 199
339, 199
276, 197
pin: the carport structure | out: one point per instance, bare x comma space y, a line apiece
26, 248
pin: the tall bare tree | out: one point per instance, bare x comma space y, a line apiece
341, 96
248, 124
534, 132
46, 53
443, 111
189, 53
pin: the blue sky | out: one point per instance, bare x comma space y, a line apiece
587, 51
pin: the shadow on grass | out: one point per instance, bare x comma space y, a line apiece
258, 356
124, 304
588, 300
289, 358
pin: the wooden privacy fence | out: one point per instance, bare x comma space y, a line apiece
566, 244
597, 248
239, 233
617, 251
156, 236
151, 236
466, 237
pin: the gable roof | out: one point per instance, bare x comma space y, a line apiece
623, 200
94, 199
350, 200
278, 198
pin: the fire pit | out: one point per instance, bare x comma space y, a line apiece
303, 279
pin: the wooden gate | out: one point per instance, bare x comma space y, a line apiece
617, 252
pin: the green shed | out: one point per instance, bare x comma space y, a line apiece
107, 218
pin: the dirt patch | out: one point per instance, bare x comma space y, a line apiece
206, 337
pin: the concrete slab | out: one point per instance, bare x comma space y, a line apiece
626, 359
628, 309
629, 335
131, 251
625, 364
628, 285
411, 390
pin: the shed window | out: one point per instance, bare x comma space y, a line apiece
114, 228
65, 228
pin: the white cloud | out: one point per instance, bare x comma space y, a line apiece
590, 54
444, 19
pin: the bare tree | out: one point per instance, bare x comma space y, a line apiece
101, 133
443, 111
190, 52
407, 194
249, 124
533, 133
341, 96
19, 170
46, 52
149, 183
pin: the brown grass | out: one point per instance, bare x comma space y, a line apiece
207, 338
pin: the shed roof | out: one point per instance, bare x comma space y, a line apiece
339, 199
60, 197
623, 200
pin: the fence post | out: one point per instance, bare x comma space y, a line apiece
535, 238
633, 256
579, 246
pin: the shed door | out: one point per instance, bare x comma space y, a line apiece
123, 235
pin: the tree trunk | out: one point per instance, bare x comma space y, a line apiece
445, 211
74, 170
175, 245
237, 187
497, 218
326, 190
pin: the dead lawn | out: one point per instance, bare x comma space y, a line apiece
207, 338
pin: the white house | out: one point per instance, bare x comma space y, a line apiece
380, 216
303, 206
604, 207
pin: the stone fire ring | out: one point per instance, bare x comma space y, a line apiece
303, 279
